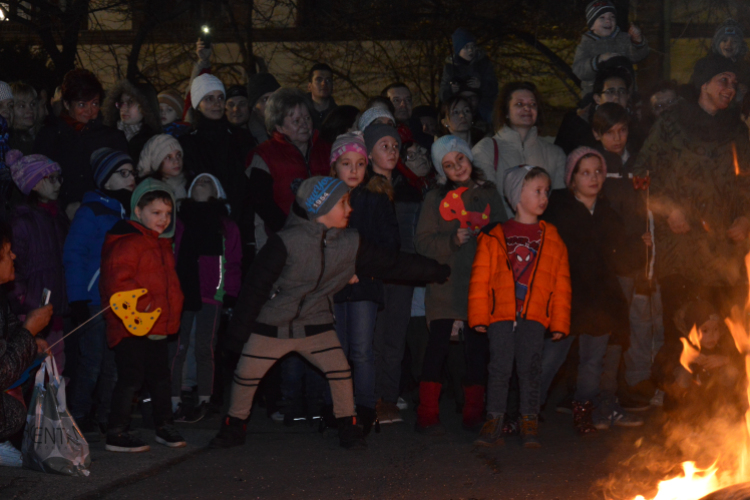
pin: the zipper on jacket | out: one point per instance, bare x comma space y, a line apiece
493, 302
533, 275
549, 301
317, 283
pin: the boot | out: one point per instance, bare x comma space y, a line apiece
491, 433
327, 419
351, 436
582, 418
428, 411
530, 431
473, 412
232, 433
367, 417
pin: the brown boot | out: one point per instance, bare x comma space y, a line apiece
530, 431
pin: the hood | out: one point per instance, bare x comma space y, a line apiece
142, 93
219, 187
148, 185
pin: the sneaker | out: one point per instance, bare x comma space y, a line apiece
182, 412
658, 399
168, 436
631, 403
125, 442
9, 455
565, 406
530, 432
388, 413
277, 416
232, 433
601, 422
197, 414
402, 404
624, 419
491, 433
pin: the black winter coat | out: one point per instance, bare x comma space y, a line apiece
598, 305
136, 143
72, 149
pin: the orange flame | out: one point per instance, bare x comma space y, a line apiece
689, 353
692, 485
736, 163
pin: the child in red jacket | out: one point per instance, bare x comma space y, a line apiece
138, 254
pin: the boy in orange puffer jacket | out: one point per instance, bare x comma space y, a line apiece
520, 288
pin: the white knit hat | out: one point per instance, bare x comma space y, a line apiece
372, 114
5, 92
445, 145
202, 85
154, 151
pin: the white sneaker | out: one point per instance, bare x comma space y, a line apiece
658, 399
9, 455
402, 404
277, 416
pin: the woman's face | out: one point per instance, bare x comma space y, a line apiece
7, 269
588, 181
171, 165
297, 125
522, 109
615, 139
130, 111
459, 118
122, 178
417, 160
83, 111
384, 154
48, 188
457, 167
24, 112
212, 105
350, 168
167, 114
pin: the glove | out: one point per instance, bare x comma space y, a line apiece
444, 271
229, 302
79, 311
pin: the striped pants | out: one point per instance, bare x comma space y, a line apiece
260, 353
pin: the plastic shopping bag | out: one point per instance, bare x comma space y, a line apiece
52, 441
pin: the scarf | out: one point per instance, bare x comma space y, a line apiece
50, 207
129, 130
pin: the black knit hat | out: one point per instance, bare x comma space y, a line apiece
259, 84
236, 91
377, 131
710, 66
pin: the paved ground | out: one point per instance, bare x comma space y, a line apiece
280, 462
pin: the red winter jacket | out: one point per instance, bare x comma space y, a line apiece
134, 257
286, 163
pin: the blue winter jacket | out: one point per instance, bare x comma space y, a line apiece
82, 253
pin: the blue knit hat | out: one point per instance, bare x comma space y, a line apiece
104, 162
318, 195
445, 145
460, 38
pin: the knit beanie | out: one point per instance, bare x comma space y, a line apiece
173, 100
710, 66
513, 184
202, 85
351, 141
372, 114
460, 38
575, 156
730, 28
377, 131
259, 84
236, 91
318, 195
596, 9
698, 312
154, 151
28, 171
104, 163
445, 145
5, 92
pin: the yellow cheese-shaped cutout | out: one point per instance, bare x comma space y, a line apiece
123, 305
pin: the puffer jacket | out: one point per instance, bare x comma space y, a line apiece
492, 295
82, 253
38, 240
511, 152
145, 95
458, 70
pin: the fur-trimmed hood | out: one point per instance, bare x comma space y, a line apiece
142, 93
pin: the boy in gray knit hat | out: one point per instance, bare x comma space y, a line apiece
285, 303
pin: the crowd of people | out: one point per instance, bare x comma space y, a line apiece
318, 259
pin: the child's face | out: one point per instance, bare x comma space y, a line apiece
48, 189
156, 215
384, 154
350, 168
534, 196
729, 47
710, 332
122, 178
468, 51
604, 24
338, 216
130, 111
171, 165
167, 114
457, 167
615, 139
203, 189
588, 181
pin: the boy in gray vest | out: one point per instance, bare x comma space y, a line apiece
286, 303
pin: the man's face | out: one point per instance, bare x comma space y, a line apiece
614, 90
237, 110
662, 101
321, 86
401, 99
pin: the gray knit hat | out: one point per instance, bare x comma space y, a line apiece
598, 8
513, 184
154, 151
443, 146
377, 131
5, 92
318, 195
372, 114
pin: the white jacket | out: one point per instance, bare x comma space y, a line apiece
512, 152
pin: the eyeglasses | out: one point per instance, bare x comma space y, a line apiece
664, 105
54, 178
126, 104
619, 91
124, 173
416, 155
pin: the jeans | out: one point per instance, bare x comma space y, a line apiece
646, 331
475, 353
355, 328
523, 342
301, 381
592, 351
390, 340
95, 373
554, 355
206, 326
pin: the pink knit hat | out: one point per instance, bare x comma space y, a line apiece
350, 141
575, 156
28, 171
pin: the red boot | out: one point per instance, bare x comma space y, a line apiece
473, 414
428, 411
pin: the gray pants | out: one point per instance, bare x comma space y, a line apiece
390, 340
206, 327
524, 343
